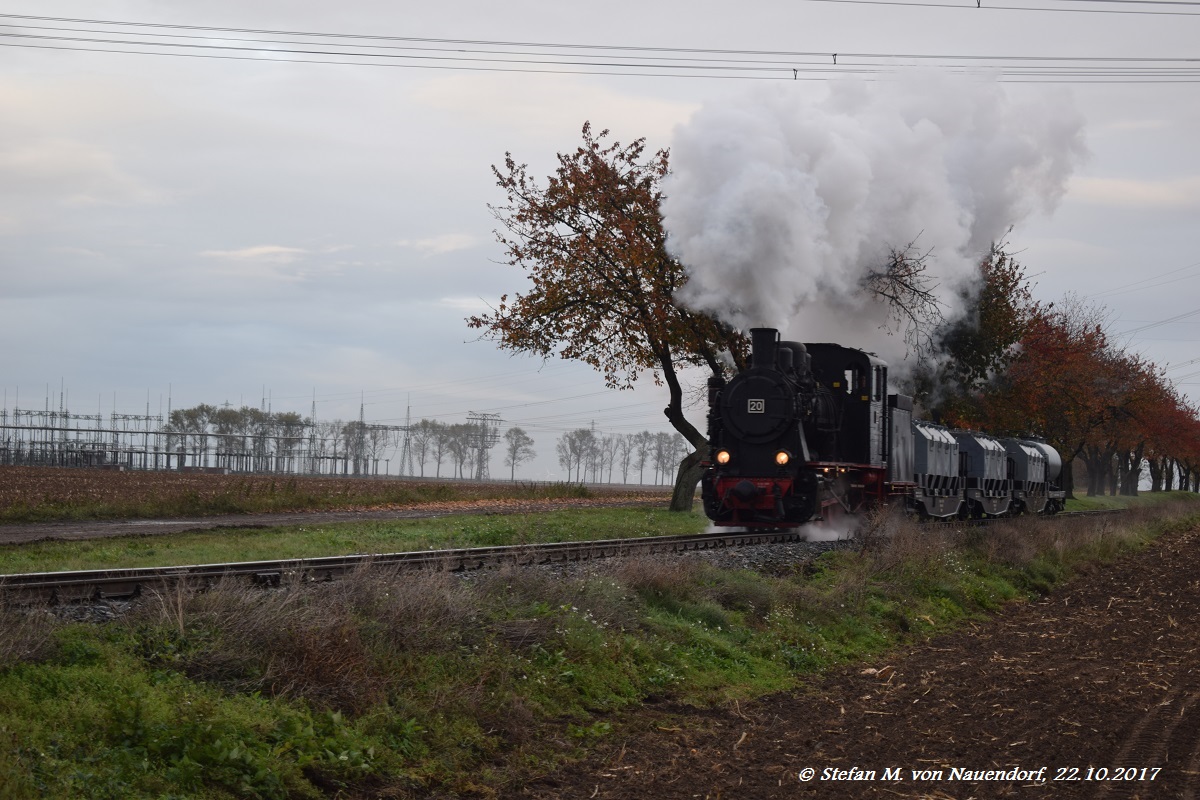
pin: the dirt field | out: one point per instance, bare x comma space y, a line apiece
1102, 675
31, 497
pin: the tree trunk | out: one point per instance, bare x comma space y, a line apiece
1110, 471
1135, 469
1067, 479
1095, 471
690, 472
1156, 474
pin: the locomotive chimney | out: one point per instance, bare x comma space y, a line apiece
764, 344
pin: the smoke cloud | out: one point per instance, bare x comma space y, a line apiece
778, 206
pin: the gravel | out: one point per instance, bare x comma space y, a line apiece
765, 558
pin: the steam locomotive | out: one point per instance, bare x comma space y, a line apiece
809, 432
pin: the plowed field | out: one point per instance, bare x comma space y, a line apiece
1101, 678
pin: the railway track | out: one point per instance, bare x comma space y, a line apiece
63, 587
89, 585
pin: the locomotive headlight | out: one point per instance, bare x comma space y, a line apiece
782, 457
722, 456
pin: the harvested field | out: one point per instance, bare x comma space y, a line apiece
38, 494
1102, 674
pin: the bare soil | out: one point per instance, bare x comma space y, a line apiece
1103, 674
24, 533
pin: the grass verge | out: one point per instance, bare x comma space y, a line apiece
1081, 502
309, 541
402, 684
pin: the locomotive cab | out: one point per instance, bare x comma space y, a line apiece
857, 384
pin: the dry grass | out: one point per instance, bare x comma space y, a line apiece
332, 644
649, 575
25, 635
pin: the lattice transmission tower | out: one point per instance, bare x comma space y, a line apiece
488, 426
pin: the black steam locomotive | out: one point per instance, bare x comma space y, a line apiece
810, 431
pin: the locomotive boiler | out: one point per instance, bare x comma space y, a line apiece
810, 431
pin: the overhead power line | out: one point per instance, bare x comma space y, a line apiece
1181, 364
226, 43
1167, 321
1147, 283
980, 5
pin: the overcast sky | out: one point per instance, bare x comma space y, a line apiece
211, 226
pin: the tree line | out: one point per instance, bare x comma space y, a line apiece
462, 446
589, 456
1023, 367
249, 439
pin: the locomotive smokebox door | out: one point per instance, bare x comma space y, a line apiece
757, 408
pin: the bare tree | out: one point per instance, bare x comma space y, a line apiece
420, 441
289, 430
518, 448
608, 455
458, 443
625, 445
643, 444
903, 284
575, 451
589, 450
441, 444
566, 457
660, 452
354, 436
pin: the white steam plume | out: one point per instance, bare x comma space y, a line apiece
778, 207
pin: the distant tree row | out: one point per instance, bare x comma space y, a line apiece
249, 439
252, 440
459, 445
589, 456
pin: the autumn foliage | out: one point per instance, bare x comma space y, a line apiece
591, 243
1023, 368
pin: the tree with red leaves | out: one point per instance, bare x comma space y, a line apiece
1054, 387
592, 244
1068, 383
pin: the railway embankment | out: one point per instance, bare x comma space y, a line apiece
632, 677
